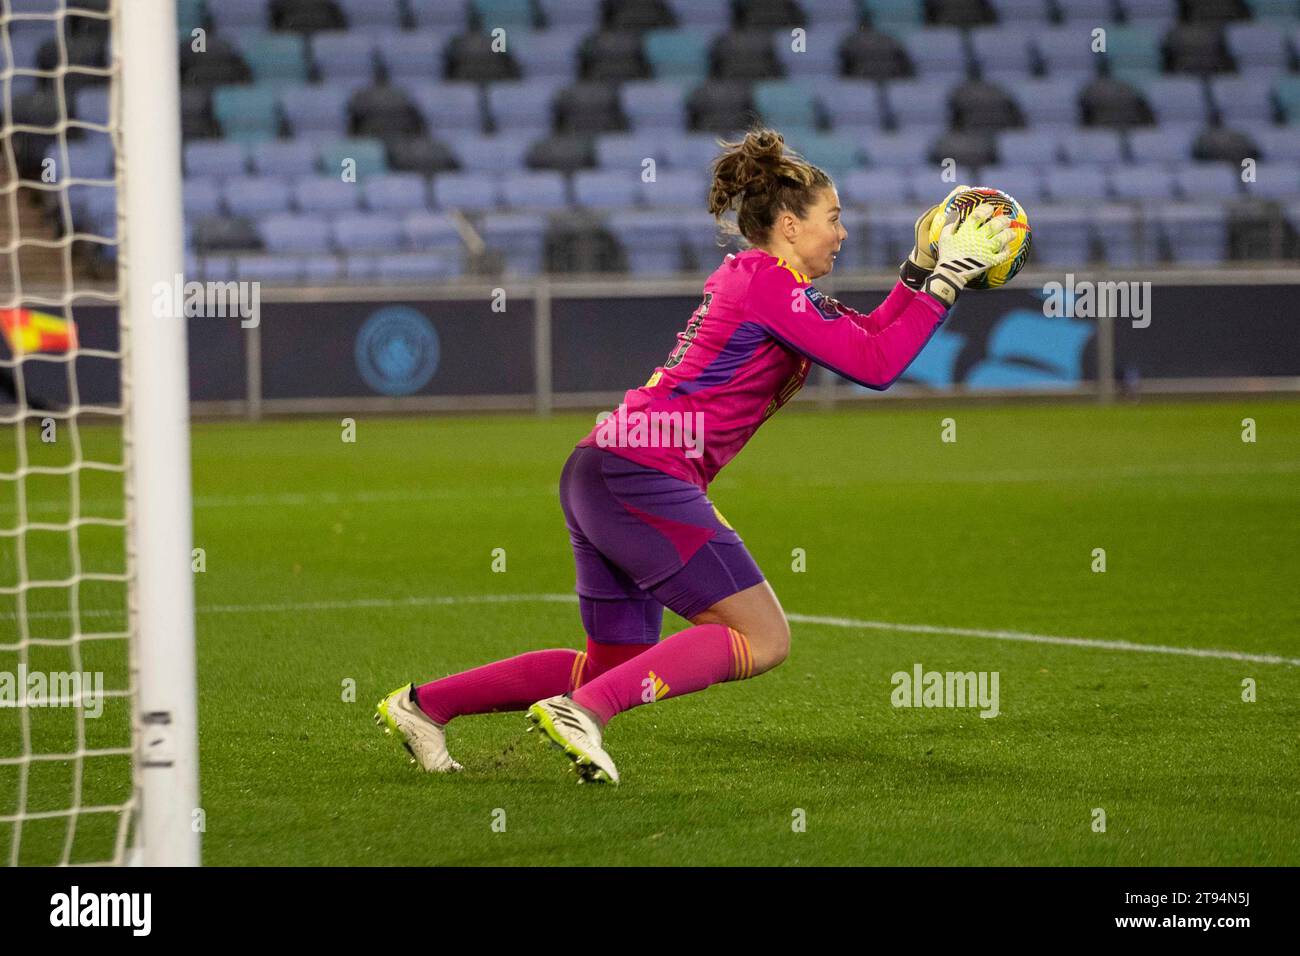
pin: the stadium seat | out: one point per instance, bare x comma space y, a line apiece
471, 58
247, 113
424, 231
613, 56
447, 108
786, 104
872, 185
654, 105
918, 102
347, 57
201, 198
383, 112
365, 232
510, 15
520, 237
548, 53
269, 269
284, 157
371, 15
1148, 181
871, 54
518, 105
1196, 48
1202, 181
682, 55
1276, 180
675, 188
275, 58
326, 195
851, 104
255, 196
414, 56
1242, 98
438, 15
1196, 232
1257, 46
367, 154
605, 189
215, 158
316, 109
936, 53
1084, 145
588, 107
1073, 183
1049, 101
578, 16
720, 106
498, 152
395, 192
233, 17
1025, 182
1176, 99
1168, 142
805, 60
1037, 146
535, 189
1066, 50
745, 55
651, 240
306, 16
905, 147
466, 191
628, 151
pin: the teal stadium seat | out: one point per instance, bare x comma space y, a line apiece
276, 57
894, 16
1133, 52
678, 54
787, 105
510, 14
836, 154
247, 113
368, 155
1287, 93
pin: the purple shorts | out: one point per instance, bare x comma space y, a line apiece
643, 541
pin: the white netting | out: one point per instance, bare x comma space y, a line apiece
66, 675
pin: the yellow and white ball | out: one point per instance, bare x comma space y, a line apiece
962, 204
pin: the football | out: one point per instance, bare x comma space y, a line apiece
961, 204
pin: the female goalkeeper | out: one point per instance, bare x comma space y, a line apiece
644, 533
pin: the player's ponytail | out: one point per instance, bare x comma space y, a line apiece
758, 178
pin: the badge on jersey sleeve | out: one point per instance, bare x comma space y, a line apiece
828, 308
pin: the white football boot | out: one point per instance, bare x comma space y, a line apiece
415, 730
565, 726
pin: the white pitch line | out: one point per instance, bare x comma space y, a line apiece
847, 623
290, 499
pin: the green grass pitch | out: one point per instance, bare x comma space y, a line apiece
327, 563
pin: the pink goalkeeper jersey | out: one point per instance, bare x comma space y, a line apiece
745, 352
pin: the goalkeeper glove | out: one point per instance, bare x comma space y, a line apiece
979, 242
920, 263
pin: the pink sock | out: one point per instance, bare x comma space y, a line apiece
511, 684
516, 682
688, 661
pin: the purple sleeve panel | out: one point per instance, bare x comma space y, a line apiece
870, 349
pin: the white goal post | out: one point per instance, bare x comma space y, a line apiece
157, 439
113, 456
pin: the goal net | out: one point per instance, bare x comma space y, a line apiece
98, 758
